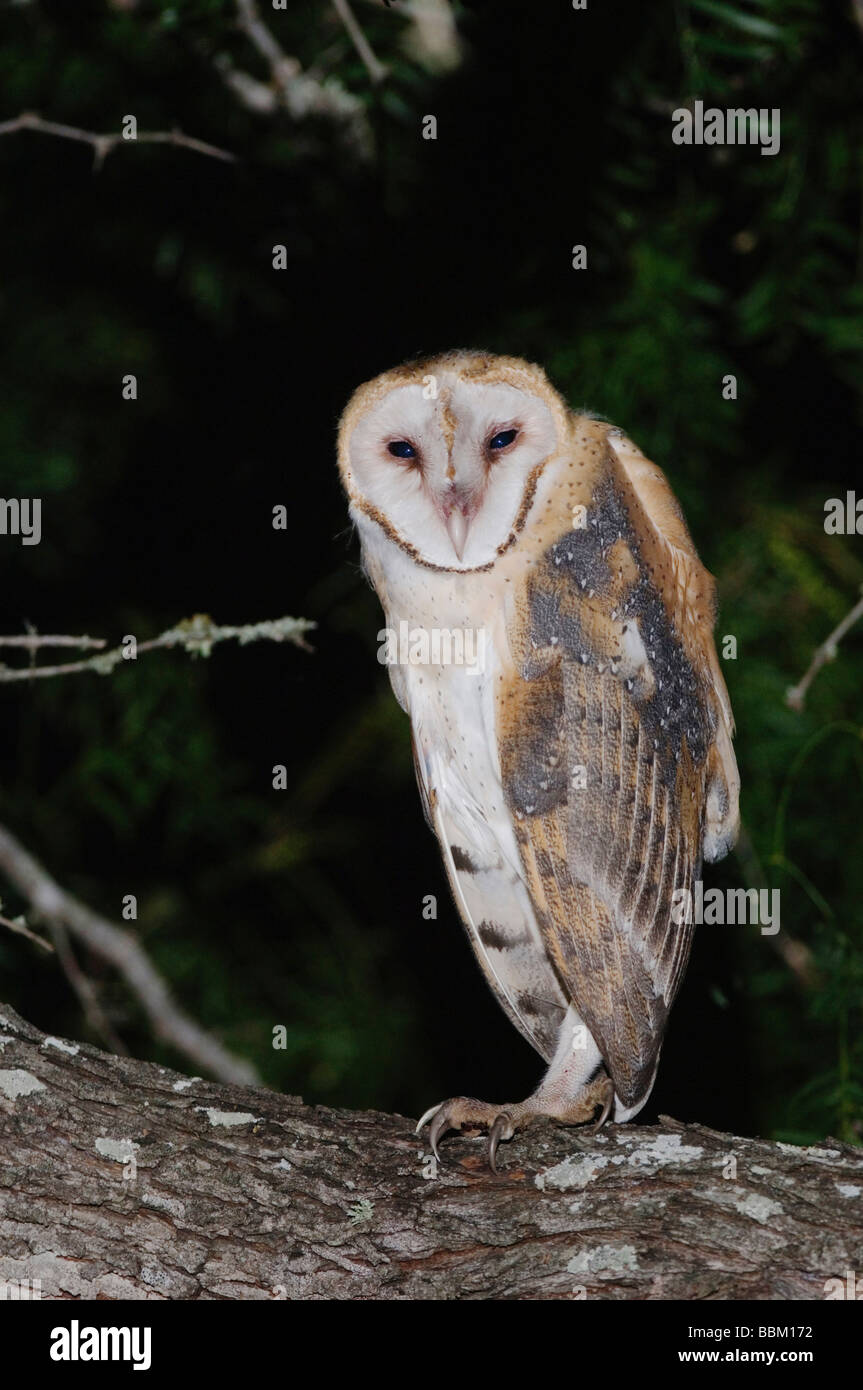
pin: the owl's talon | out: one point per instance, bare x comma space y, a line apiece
429, 1115
441, 1122
503, 1128
607, 1103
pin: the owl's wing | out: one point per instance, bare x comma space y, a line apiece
616, 757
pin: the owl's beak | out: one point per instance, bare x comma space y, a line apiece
457, 528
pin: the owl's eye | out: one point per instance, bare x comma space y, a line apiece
500, 441
401, 449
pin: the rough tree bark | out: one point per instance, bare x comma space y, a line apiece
123, 1180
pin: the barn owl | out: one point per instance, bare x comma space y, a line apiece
577, 776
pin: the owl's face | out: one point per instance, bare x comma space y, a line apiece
444, 455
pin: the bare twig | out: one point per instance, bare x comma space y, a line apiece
102, 145
86, 991
19, 926
375, 69
197, 635
259, 97
256, 31
32, 640
120, 949
301, 93
795, 696
796, 954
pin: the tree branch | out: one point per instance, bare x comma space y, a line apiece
795, 953
20, 928
795, 696
102, 145
123, 1180
86, 992
197, 635
375, 69
33, 640
301, 93
119, 948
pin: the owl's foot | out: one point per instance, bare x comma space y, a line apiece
464, 1111
502, 1121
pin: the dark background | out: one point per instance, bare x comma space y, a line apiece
303, 907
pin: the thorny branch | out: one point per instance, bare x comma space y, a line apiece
197, 635
102, 145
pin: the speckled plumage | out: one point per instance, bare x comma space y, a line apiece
579, 778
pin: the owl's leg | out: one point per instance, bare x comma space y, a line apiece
574, 1088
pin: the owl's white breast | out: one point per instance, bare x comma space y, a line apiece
452, 710
451, 706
